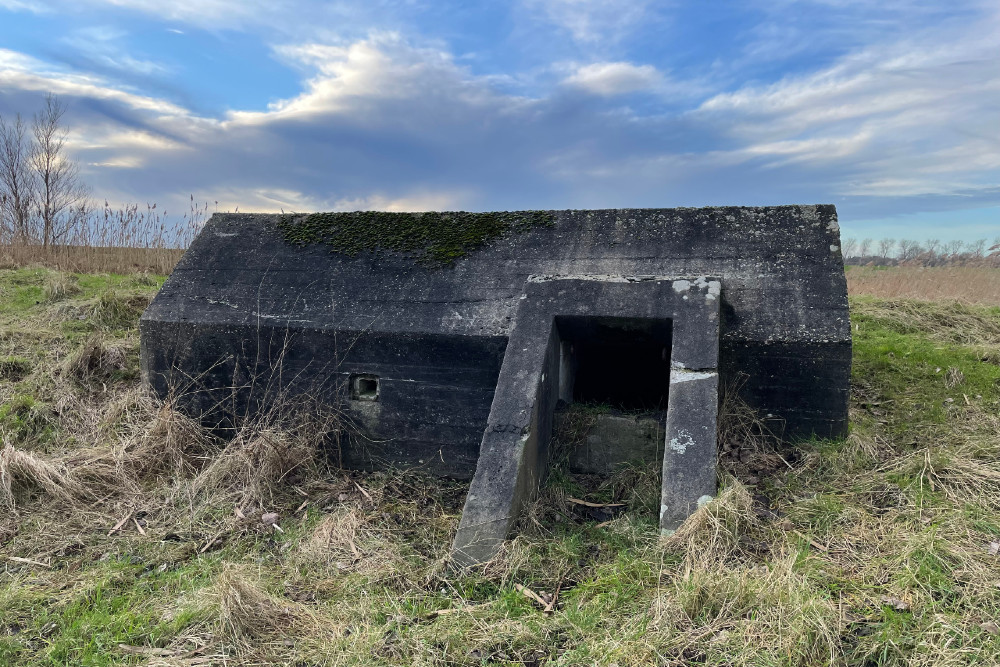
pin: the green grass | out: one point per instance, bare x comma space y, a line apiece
873, 551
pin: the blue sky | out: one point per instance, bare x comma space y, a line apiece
890, 109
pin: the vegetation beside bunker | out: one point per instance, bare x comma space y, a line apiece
434, 239
876, 550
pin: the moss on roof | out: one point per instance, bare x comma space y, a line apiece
434, 239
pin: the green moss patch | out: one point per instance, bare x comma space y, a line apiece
433, 239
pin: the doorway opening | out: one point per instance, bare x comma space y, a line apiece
620, 362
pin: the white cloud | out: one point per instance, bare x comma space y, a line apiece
593, 21
101, 46
21, 72
902, 119
24, 5
422, 201
615, 78
380, 123
368, 78
208, 14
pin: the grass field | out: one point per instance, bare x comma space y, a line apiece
130, 536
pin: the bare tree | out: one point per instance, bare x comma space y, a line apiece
16, 181
850, 245
909, 249
932, 246
865, 248
885, 247
977, 247
953, 248
61, 197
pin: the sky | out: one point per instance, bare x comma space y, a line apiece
890, 110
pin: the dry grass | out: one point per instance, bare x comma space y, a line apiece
60, 285
346, 541
281, 446
159, 440
978, 285
718, 612
117, 310
95, 359
129, 239
85, 259
868, 552
721, 531
248, 614
20, 470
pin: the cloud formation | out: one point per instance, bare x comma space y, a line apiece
593, 21
396, 122
617, 78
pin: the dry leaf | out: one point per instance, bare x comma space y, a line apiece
895, 603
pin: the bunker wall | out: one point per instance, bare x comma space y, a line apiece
243, 299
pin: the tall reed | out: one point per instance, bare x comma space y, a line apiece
128, 239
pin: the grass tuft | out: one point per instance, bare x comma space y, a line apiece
247, 613
118, 310
14, 369
20, 470
59, 286
95, 359
725, 529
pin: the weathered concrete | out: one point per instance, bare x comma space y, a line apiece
513, 456
614, 441
425, 360
690, 455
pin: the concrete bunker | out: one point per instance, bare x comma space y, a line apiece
451, 337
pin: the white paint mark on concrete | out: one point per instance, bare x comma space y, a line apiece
704, 500
216, 302
683, 375
283, 318
680, 443
681, 286
834, 248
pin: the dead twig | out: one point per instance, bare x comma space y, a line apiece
531, 595
144, 650
577, 501
208, 545
121, 524
554, 598
811, 541
28, 561
363, 492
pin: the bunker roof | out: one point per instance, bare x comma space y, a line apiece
462, 273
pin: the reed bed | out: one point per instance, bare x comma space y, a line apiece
972, 285
124, 240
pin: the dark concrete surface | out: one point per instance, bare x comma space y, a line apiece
513, 457
248, 321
